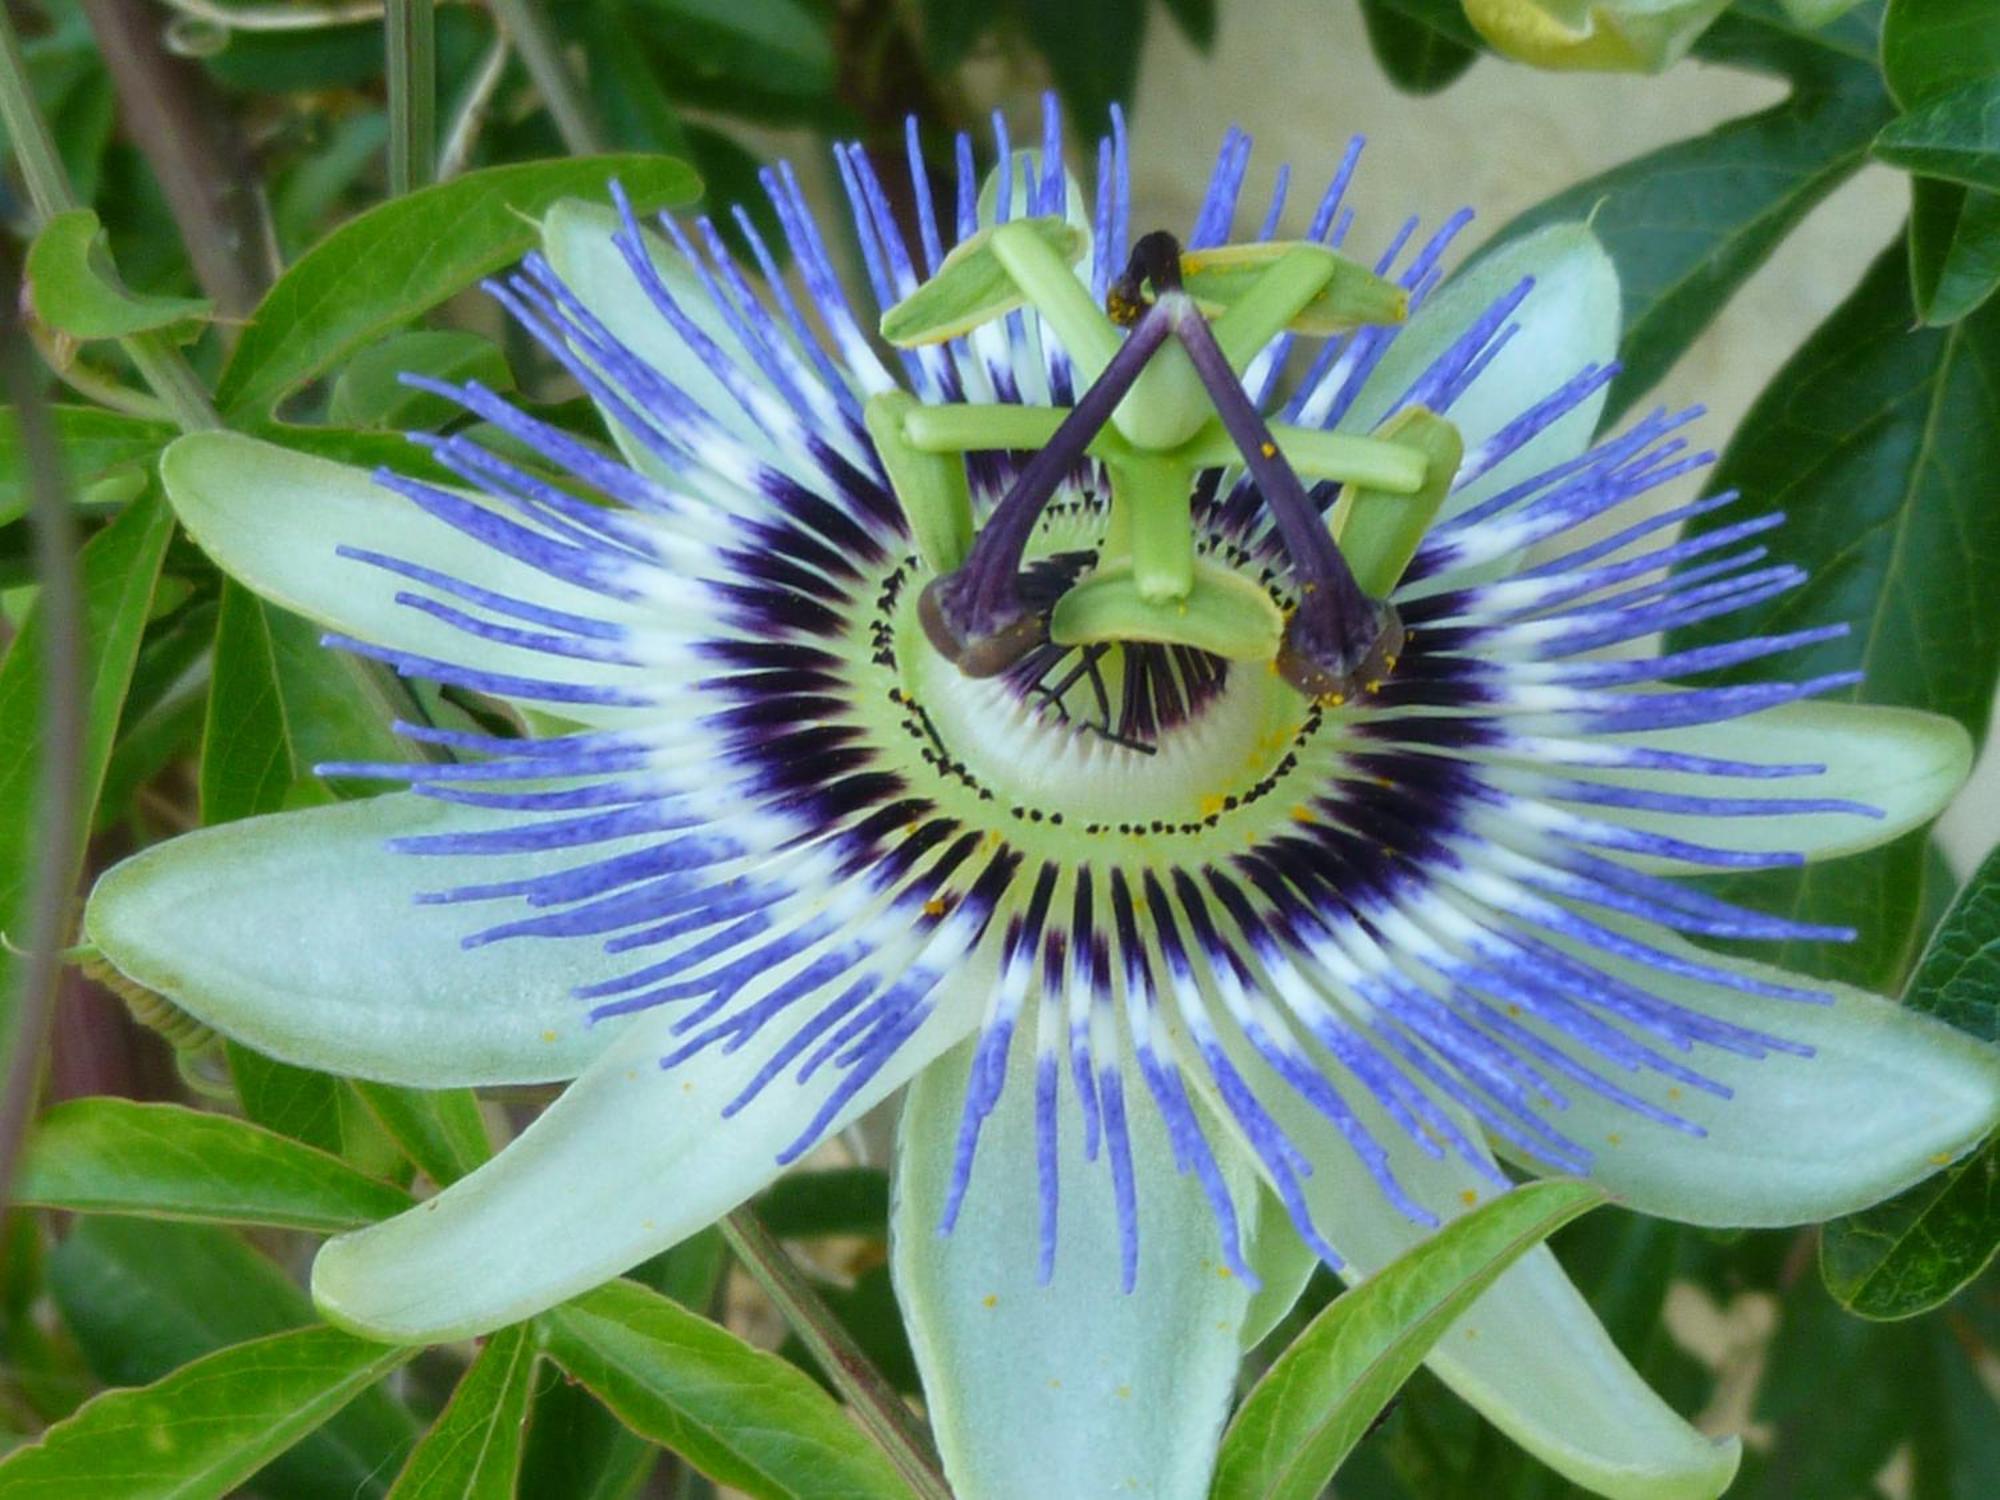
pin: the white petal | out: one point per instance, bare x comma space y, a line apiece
300, 935
631, 1159
273, 518
1284, 1263
1905, 764
1569, 320
1888, 1097
1531, 1356
1078, 1387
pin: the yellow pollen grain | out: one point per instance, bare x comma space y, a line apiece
1303, 814
991, 1299
1269, 450
1674, 1092
937, 906
1213, 804
548, 1036
1468, 1196
1224, 1272
1615, 1139
1124, 1393
1940, 1158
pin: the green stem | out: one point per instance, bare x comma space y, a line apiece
34, 147
159, 363
410, 38
884, 1414
59, 827
469, 118
541, 52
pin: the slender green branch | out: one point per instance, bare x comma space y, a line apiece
59, 829
541, 51
469, 118
884, 1414
158, 362
410, 33
34, 148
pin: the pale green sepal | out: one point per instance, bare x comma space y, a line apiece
1333, 294
1330, 1385
300, 935
931, 487
273, 518
1887, 1098
1078, 1387
1379, 530
631, 1159
1284, 1263
1601, 36
1904, 763
1224, 613
974, 284
1531, 1356
1570, 319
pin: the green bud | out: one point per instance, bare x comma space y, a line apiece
1604, 36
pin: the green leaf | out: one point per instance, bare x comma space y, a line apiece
370, 392
279, 704
440, 1130
1689, 223
144, 1296
1954, 249
1930, 50
292, 1101
1321, 1395
577, 1450
1954, 1441
1418, 59
745, 1418
118, 1156
384, 267
1918, 1249
1932, 47
1195, 20
118, 567
205, 1428
1879, 443
75, 289
1956, 136
94, 443
473, 1450
1093, 51
841, 1200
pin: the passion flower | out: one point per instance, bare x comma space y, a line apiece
1195, 707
